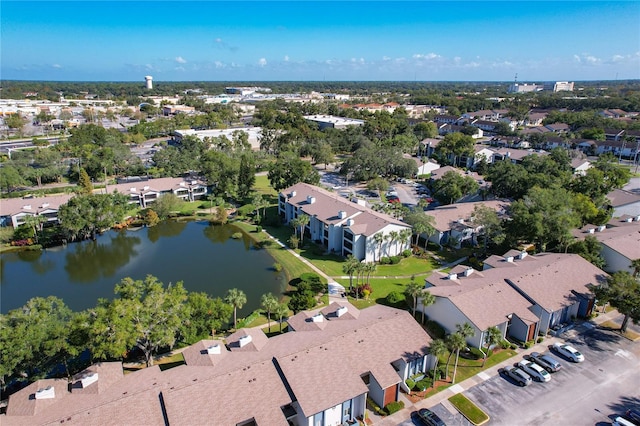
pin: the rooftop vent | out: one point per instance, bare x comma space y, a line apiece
27, 207
601, 228
46, 393
146, 187
317, 318
342, 214
183, 184
311, 199
45, 205
244, 340
637, 219
88, 379
522, 254
350, 222
468, 271
629, 219
194, 182
592, 230
341, 311
452, 276
215, 349
508, 258
132, 189
293, 193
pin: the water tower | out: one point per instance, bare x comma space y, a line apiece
149, 81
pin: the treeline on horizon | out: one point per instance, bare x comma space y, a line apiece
15, 89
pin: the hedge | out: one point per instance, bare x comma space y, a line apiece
394, 407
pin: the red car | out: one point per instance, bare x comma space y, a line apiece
393, 199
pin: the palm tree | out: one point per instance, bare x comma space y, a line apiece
269, 303
281, 311
491, 337
379, 240
403, 236
294, 224
237, 299
392, 237
369, 269
427, 299
466, 330
413, 290
437, 348
418, 229
349, 267
456, 342
303, 221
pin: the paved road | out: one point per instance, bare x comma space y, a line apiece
592, 392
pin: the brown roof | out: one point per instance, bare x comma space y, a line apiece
11, 206
327, 205
446, 216
620, 197
622, 239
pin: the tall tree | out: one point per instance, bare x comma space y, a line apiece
349, 267
237, 299
437, 348
427, 299
491, 225
622, 291
246, 174
455, 342
84, 183
281, 311
303, 221
144, 315
206, 315
414, 290
492, 336
269, 304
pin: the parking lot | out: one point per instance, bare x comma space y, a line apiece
589, 393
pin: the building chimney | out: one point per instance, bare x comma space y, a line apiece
214, 349
317, 318
88, 379
244, 340
310, 199
342, 214
341, 311
452, 276
46, 393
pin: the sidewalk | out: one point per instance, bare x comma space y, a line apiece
443, 396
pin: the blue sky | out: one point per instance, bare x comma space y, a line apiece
327, 40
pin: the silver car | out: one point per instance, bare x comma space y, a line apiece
547, 362
536, 372
522, 378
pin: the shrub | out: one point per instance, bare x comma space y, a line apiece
528, 344
476, 353
504, 344
385, 261
375, 407
395, 297
406, 253
410, 383
423, 385
513, 346
236, 235
277, 267
364, 288
540, 339
395, 260
258, 228
394, 407
434, 329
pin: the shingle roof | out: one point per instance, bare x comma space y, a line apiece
327, 205
11, 206
446, 216
620, 197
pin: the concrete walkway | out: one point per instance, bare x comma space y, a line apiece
443, 396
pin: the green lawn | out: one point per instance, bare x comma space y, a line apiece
468, 368
381, 287
468, 409
263, 186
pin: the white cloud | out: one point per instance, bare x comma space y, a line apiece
587, 59
179, 68
386, 58
148, 67
262, 62
286, 58
219, 64
58, 66
181, 60
428, 56
218, 40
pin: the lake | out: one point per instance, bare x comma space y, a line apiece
203, 256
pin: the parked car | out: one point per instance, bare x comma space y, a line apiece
392, 193
429, 418
393, 199
568, 352
518, 375
547, 362
623, 421
536, 372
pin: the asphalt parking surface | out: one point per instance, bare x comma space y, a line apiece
591, 392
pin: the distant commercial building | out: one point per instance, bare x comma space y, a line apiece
332, 121
525, 88
553, 86
245, 90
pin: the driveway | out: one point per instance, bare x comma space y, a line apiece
592, 392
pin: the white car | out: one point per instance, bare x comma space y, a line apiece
568, 352
536, 372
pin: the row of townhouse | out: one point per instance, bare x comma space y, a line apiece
319, 373
523, 295
342, 226
141, 192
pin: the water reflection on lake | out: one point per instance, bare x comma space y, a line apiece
203, 256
